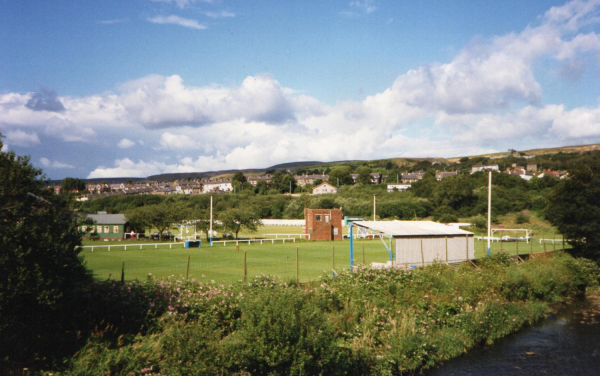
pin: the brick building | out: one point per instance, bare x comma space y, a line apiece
323, 224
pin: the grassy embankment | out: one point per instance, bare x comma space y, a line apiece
368, 322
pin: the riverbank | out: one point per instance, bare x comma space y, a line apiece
565, 343
366, 322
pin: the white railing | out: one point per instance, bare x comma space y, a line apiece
560, 240
289, 236
283, 222
248, 241
131, 246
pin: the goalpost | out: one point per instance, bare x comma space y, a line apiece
528, 233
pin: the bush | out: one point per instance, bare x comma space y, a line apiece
520, 219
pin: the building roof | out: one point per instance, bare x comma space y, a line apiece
400, 229
108, 219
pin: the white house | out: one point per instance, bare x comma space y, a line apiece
217, 186
477, 168
324, 188
398, 187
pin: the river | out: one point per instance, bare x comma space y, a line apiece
567, 343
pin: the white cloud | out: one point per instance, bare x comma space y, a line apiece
126, 143
4, 148
183, 3
54, 164
113, 21
366, 6
127, 168
221, 14
169, 102
177, 142
176, 20
21, 138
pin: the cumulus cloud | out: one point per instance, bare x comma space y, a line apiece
166, 102
4, 148
21, 138
128, 168
126, 143
177, 142
45, 100
176, 20
54, 164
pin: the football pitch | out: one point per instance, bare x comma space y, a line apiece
305, 260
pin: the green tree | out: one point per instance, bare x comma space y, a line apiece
235, 220
239, 177
160, 216
343, 174
41, 271
283, 182
364, 175
574, 208
72, 185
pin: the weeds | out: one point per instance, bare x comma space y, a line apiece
383, 322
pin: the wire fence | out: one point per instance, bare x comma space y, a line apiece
301, 261
292, 260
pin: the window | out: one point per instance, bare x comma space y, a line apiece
115, 229
106, 230
99, 229
335, 231
326, 219
318, 217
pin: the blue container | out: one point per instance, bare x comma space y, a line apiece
193, 244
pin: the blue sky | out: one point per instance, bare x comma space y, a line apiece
133, 88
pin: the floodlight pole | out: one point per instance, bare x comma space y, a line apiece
374, 207
351, 247
489, 229
210, 232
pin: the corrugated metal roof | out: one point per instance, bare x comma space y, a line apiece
412, 228
108, 219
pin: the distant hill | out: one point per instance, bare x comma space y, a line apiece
292, 166
534, 152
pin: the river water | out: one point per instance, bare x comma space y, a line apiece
567, 343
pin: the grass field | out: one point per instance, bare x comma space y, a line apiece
226, 263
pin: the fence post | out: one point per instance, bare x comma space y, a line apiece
123, 272
245, 268
332, 262
140, 246
447, 250
531, 245
517, 251
544, 241
363, 253
187, 272
297, 266
422, 256
109, 248
554, 242
467, 238
563, 241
